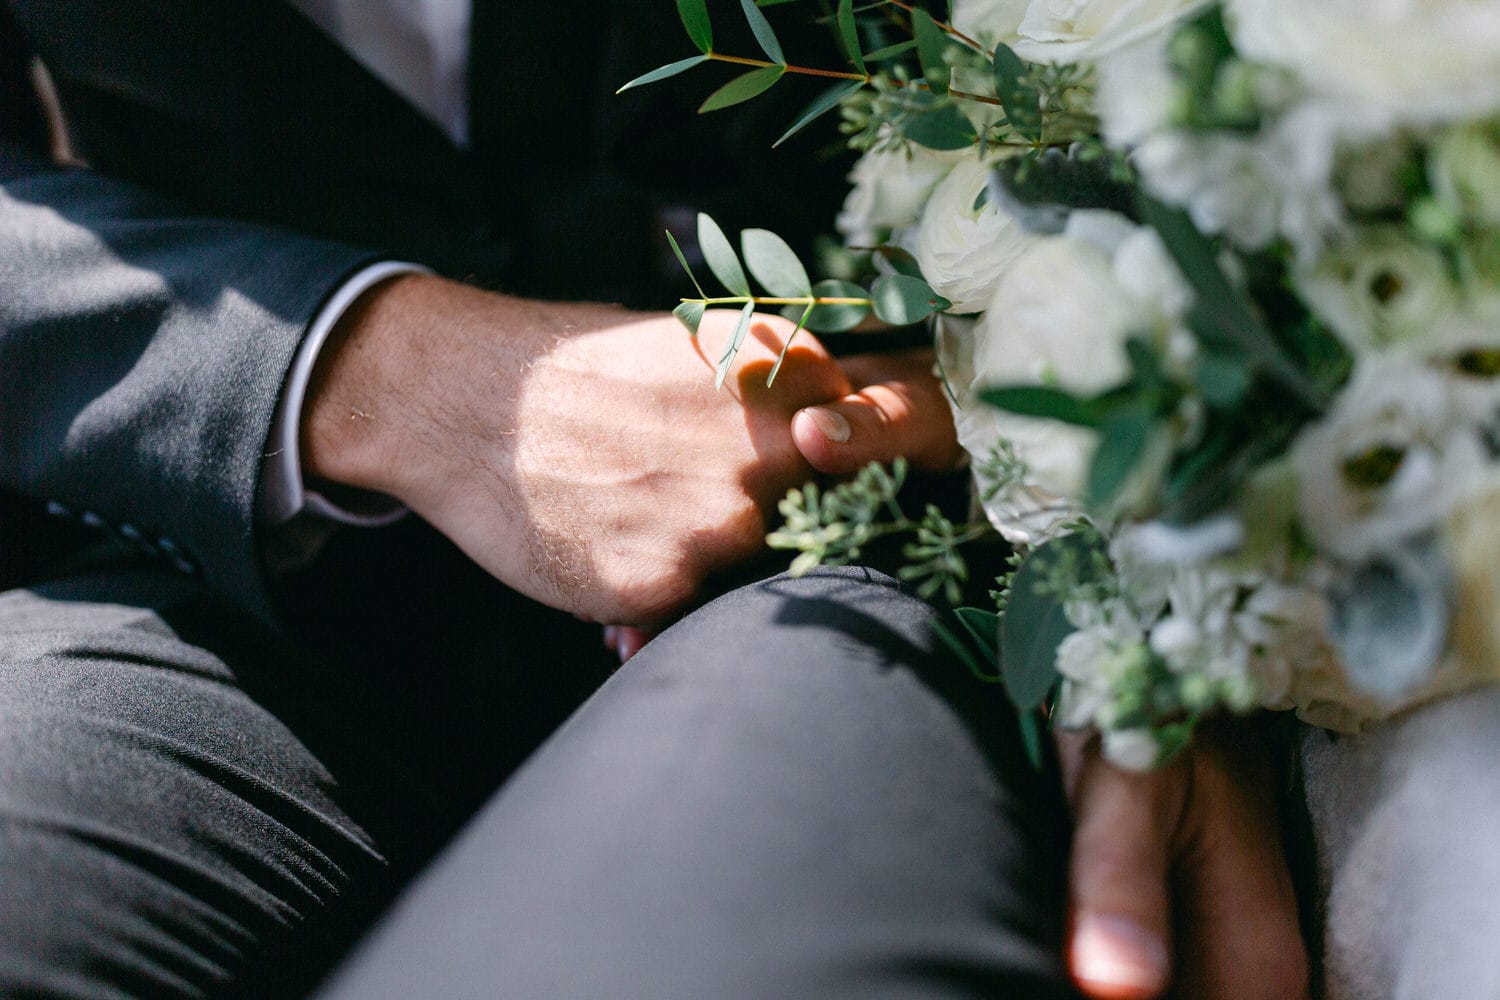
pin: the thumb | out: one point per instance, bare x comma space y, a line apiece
1118, 882
900, 411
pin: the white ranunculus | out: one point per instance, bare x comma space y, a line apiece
1387, 463
1250, 188
1070, 31
989, 21
1061, 316
888, 191
1379, 289
1024, 512
1419, 61
964, 251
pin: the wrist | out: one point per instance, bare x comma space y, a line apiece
353, 430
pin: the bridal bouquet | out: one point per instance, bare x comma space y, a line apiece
1216, 293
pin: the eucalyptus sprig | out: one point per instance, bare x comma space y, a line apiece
833, 528
830, 306
933, 42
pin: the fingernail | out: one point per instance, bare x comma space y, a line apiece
831, 423
630, 642
1115, 953
611, 636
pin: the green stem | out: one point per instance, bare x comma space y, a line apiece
950, 29
789, 68
762, 300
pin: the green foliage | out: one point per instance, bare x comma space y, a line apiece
774, 264
663, 72
683, 261
694, 16
1041, 191
1018, 94
901, 299
941, 126
761, 28
742, 88
830, 99
733, 347
840, 316
720, 255
1123, 440
849, 34
690, 314
932, 46
1221, 316
1035, 620
1046, 401
900, 260
834, 527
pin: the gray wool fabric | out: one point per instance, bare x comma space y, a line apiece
1406, 814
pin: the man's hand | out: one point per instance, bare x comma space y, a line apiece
1189, 855
580, 453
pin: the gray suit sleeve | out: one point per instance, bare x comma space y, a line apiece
142, 352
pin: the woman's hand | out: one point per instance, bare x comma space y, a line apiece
1178, 876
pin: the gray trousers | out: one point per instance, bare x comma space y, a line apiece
791, 793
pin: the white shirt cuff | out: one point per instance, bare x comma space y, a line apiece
283, 494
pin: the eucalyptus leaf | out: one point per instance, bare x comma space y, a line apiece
964, 650
801, 325
682, 259
663, 72
943, 127
1123, 439
694, 15
891, 51
774, 264
840, 317
720, 255
932, 42
733, 347
1035, 621
900, 299
1045, 401
1021, 100
1220, 316
900, 259
742, 88
1041, 192
690, 314
824, 104
849, 34
763, 33
984, 627
1222, 379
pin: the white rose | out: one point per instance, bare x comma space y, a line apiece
1379, 289
889, 189
963, 251
1419, 61
1069, 31
1387, 463
989, 21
